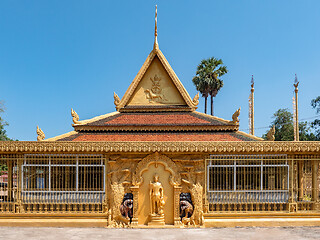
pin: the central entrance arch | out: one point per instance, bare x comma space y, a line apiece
166, 169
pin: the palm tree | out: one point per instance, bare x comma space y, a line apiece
203, 87
207, 79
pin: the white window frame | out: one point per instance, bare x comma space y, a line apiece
77, 165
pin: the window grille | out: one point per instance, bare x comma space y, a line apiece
48, 178
248, 178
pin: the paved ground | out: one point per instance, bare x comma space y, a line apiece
280, 233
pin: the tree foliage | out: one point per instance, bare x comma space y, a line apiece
315, 103
208, 79
283, 122
3, 124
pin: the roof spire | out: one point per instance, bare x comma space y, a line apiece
155, 45
252, 82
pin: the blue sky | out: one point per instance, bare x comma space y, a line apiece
58, 55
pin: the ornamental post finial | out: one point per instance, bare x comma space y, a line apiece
155, 45
296, 83
252, 82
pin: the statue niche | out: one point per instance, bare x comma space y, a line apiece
156, 202
156, 195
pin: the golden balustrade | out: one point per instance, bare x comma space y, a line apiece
52, 183
262, 183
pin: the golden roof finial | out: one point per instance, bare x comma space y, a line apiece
235, 116
75, 116
155, 46
40, 134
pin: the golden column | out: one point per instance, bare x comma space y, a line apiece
315, 185
296, 138
295, 120
251, 108
10, 180
300, 179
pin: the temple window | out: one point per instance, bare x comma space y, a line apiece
60, 178
248, 178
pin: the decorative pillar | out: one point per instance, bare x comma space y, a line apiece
10, 180
300, 179
177, 192
295, 110
251, 108
105, 202
292, 201
19, 206
315, 185
135, 192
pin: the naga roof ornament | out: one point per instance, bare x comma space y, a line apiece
40, 133
195, 100
116, 99
75, 116
235, 116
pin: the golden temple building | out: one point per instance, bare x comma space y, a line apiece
157, 162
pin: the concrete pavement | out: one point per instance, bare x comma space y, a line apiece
278, 233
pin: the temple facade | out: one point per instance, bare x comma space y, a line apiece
156, 161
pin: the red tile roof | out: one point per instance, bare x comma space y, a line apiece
155, 119
157, 126
159, 119
157, 137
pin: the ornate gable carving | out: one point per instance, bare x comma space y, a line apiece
156, 85
156, 88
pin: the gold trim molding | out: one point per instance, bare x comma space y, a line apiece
148, 147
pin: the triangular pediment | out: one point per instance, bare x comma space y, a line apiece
156, 87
